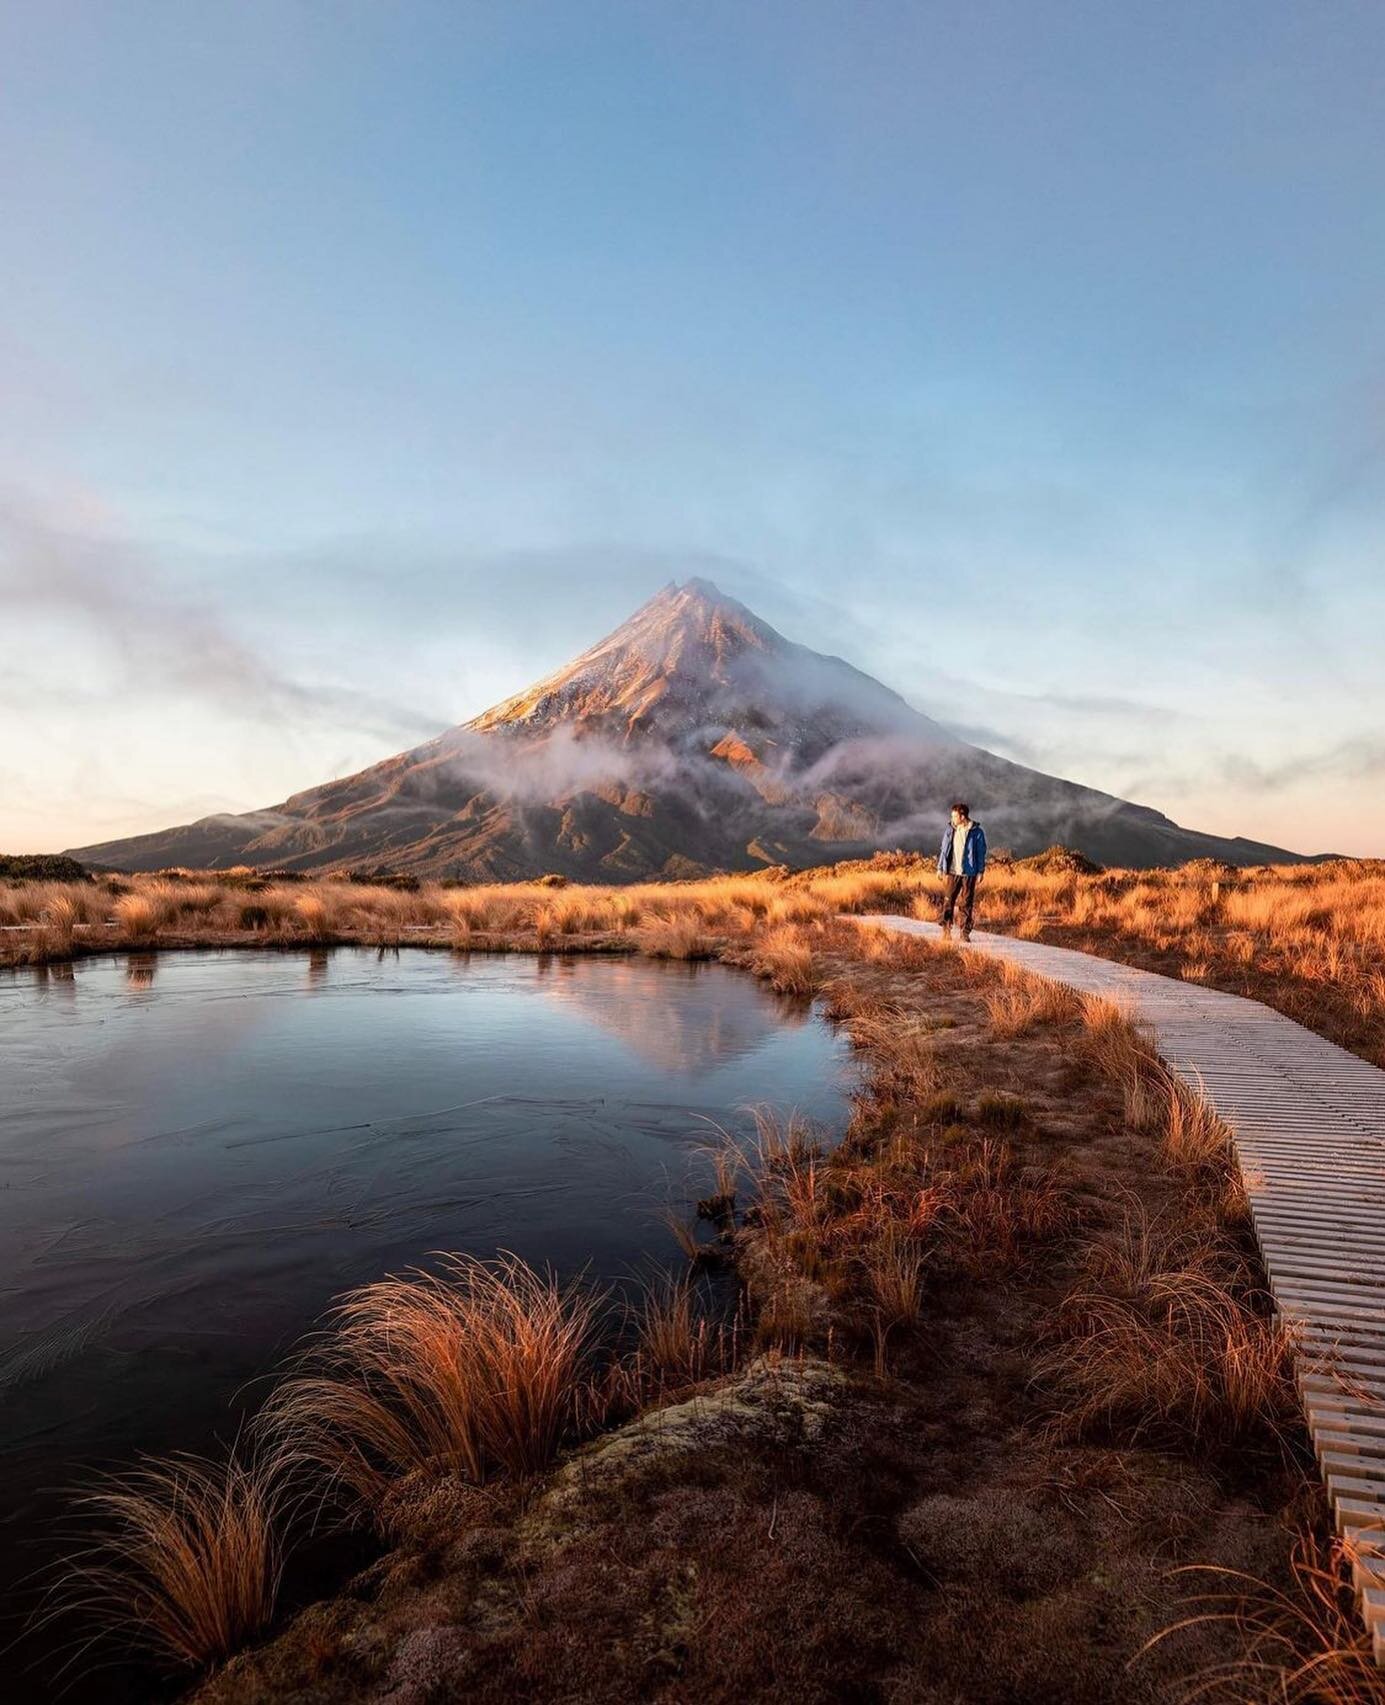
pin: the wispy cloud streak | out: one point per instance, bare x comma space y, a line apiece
165, 643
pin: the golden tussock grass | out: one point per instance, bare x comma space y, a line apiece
186, 1560
1169, 1331
1122, 1052
1195, 1142
898, 1045
675, 938
677, 1344
473, 1370
314, 916
477, 1369
1019, 1000
138, 916
1004, 1211
1165, 1338
783, 955
1309, 939
848, 1234
1300, 1644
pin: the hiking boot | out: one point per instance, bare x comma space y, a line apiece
966, 935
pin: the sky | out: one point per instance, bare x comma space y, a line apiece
360, 362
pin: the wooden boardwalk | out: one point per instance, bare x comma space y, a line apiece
1309, 1124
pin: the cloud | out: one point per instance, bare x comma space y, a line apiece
560, 763
997, 740
1361, 758
162, 642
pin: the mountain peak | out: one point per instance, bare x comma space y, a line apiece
690, 651
693, 667
700, 606
693, 737
696, 589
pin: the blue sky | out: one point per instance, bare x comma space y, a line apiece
359, 362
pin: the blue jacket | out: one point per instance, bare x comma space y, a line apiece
973, 853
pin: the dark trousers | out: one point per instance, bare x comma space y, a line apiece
963, 888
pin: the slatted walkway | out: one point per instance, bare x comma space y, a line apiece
1309, 1123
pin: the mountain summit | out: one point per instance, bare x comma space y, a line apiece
693, 659
692, 738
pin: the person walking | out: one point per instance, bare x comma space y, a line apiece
961, 862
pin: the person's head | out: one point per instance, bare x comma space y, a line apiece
960, 811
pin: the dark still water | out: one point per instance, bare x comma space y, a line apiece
197, 1152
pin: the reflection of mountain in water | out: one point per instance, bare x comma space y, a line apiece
712, 1021
193, 1169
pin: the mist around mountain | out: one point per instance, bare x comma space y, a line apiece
693, 738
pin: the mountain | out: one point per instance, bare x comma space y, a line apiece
693, 738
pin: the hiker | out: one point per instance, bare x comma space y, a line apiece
961, 860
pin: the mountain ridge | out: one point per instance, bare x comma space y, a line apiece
693, 737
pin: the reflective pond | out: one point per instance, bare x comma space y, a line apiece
198, 1151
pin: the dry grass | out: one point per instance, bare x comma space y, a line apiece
472, 1370
677, 1343
894, 1276
840, 1242
1123, 1053
1019, 1000
675, 938
314, 916
1300, 1644
1194, 1141
1169, 1332
1166, 1337
1308, 939
138, 916
186, 1561
1004, 1212
898, 1045
783, 955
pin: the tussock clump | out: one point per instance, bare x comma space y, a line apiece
677, 1344
187, 1559
675, 938
783, 955
901, 1052
1300, 1644
1123, 1053
1020, 1001
893, 1267
1164, 1338
139, 916
314, 916
1195, 1142
58, 922
1003, 1212
472, 1370
1001, 1110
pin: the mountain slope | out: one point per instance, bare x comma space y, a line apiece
693, 738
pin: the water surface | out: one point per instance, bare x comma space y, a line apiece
197, 1152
